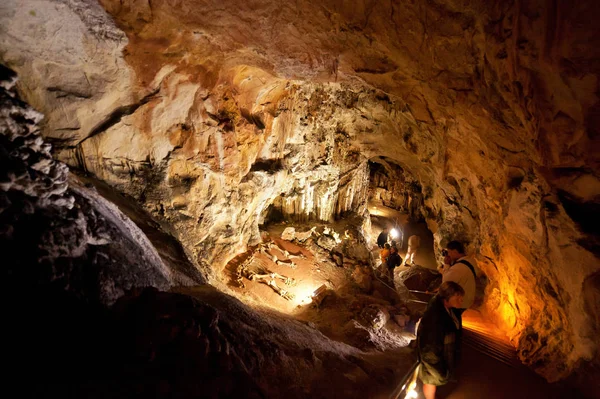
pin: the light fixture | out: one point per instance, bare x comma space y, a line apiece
394, 233
411, 394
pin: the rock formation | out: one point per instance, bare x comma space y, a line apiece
63, 235
85, 318
211, 113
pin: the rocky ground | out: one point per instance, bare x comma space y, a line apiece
331, 285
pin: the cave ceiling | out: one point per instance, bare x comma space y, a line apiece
492, 105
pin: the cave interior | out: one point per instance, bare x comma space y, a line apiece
191, 192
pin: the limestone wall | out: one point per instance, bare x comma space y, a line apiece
210, 111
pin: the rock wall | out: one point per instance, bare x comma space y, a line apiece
391, 186
71, 53
56, 234
212, 169
492, 106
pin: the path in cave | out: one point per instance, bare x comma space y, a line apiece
490, 369
382, 216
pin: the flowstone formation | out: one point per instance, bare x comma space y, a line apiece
214, 114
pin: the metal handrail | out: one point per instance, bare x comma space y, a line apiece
422, 292
404, 383
419, 292
405, 380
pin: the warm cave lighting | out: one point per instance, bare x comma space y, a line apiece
411, 385
411, 394
394, 233
304, 295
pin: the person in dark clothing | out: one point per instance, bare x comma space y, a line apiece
382, 238
393, 260
436, 338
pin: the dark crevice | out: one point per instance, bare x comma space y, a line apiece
492, 262
580, 211
61, 93
374, 71
253, 119
267, 165
457, 204
470, 212
226, 119
81, 159
116, 116
509, 150
67, 129
515, 182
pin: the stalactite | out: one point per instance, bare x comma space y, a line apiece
325, 200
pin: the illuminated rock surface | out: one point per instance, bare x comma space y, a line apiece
75, 300
210, 112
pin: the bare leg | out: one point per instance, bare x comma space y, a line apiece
412, 257
429, 391
406, 258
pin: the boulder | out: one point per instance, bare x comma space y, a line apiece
326, 242
419, 278
288, 234
375, 316
363, 277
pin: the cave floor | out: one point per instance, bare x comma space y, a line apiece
336, 315
310, 272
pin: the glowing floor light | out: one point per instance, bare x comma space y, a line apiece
412, 394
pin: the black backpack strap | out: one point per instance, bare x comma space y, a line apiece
470, 266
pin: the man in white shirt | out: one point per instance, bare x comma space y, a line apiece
462, 271
414, 242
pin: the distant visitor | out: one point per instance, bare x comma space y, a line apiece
393, 260
413, 245
382, 238
384, 253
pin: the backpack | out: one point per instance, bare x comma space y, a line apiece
470, 266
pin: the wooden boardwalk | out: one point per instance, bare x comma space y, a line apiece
490, 368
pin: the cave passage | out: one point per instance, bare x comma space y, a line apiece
395, 201
191, 192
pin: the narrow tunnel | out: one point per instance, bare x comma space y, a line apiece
192, 195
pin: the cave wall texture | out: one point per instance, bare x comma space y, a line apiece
207, 112
87, 312
60, 234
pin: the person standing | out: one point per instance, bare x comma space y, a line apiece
462, 272
436, 338
413, 245
393, 260
385, 253
382, 238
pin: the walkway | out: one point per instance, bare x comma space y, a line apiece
384, 217
490, 368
